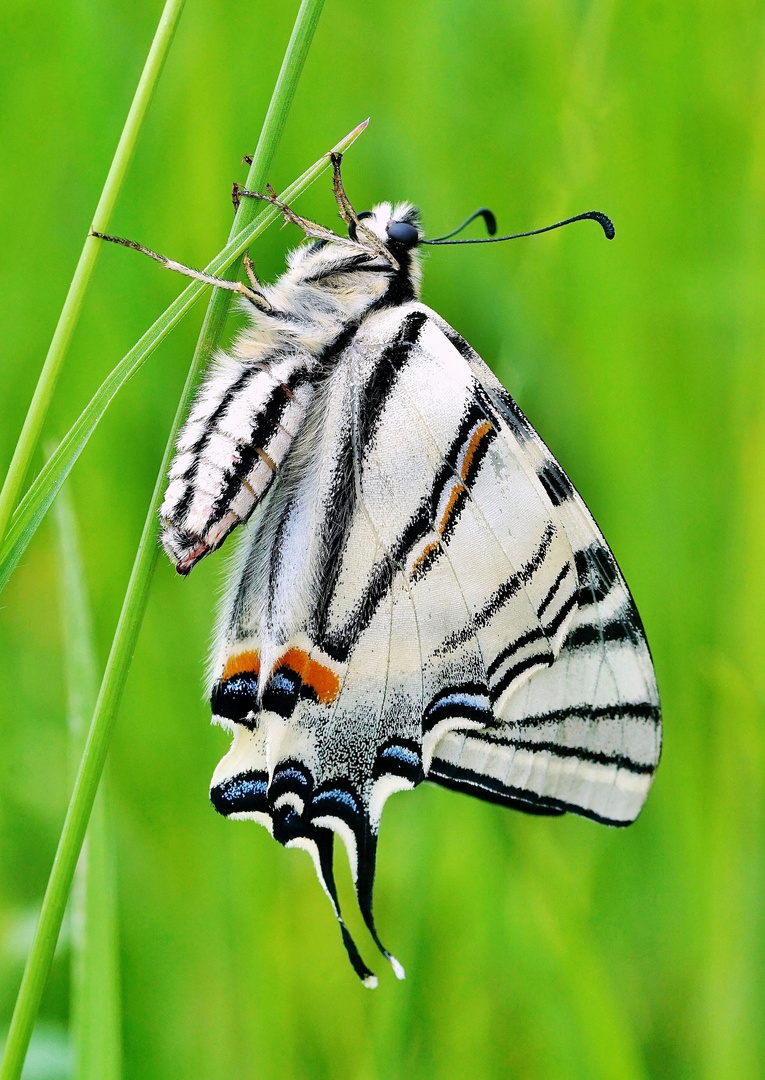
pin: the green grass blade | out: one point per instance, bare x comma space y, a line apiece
46, 384
128, 627
270, 134
46, 485
95, 993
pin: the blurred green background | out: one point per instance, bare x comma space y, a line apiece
534, 948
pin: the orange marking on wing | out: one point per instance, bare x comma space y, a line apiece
320, 678
456, 492
476, 439
245, 661
423, 556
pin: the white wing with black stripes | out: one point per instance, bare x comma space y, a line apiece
422, 595
582, 730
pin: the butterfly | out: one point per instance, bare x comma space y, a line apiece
420, 593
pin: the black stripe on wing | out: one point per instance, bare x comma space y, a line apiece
637, 710
470, 783
264, 429
384, 377
508, 408
625, 626
491, 790
339, 641
562, 750
501, 595
540, 659
555, 482
541, 655
181, 508
537, 634
337, 521
597, 571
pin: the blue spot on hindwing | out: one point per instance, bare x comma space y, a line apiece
281, 693
245, 793
470, 701
236, 698
399, 757
338, 801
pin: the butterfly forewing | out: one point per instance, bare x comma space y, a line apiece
582, 734
238, 433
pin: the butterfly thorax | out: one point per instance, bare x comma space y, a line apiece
327, 287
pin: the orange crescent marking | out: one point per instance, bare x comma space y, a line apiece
456, 491
476, 439
322, 680
243, 662
423, 556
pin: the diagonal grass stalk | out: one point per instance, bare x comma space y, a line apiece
70, 313
134, 604
46, 485
94, 1024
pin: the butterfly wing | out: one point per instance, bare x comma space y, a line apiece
584, 733
423, 594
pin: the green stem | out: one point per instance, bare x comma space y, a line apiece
70, 313
270, 136
94, 1013
134, 604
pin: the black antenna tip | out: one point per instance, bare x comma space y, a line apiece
488, 217
604, 221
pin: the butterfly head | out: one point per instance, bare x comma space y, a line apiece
377, 256
397, 227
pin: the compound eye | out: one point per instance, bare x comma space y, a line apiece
401, 232
352, 224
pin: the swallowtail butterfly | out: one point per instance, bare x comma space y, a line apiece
421, 593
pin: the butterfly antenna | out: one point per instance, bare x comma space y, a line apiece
483, 212
324, 844
364, 895
590, 215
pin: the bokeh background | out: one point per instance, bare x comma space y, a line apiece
535, 948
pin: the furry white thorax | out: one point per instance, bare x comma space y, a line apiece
320, 309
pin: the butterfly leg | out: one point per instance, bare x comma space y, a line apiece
310, 228
252, 277
254, 295
349, 215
